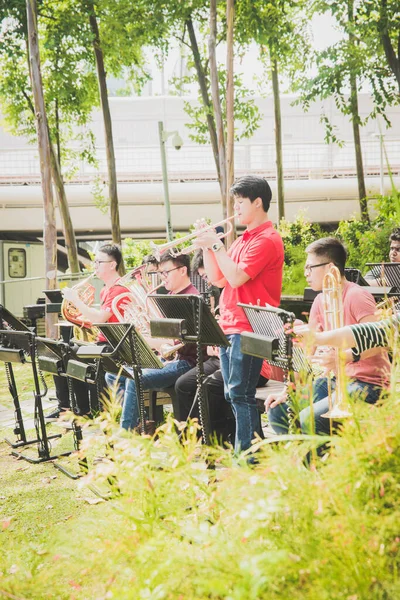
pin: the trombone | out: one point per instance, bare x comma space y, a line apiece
333, 316
201, 227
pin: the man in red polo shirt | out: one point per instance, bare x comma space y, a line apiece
250, 272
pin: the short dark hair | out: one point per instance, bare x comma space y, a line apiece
395, 235
181, 260
112, 250
253, 187
150, 259
198, 261
332, 249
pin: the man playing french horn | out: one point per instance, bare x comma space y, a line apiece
366, 374
106, 265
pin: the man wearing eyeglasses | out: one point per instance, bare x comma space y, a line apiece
106, 265
367, 373
174, 271
394, 255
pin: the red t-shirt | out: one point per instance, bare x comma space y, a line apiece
259, 253
107, 296
358, 303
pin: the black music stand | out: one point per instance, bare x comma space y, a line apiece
129, 349
188, 318
386, 274
354, 275
272, 339
53, 357
9, 356
25, 341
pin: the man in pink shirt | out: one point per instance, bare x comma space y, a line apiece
250, 272
367, 373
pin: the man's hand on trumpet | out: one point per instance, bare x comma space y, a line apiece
205, 239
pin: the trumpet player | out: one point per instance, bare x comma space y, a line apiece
174, 270
366, 373
250, 272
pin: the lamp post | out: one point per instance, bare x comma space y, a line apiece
177, 143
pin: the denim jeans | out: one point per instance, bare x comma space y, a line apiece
241, 373
358, 389
151, 379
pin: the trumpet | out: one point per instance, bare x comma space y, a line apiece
201, 227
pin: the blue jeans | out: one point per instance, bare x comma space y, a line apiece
358, 389
241, 373
151, 379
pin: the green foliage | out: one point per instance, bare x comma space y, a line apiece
134, 252
180, 531
296, 235
247, 114
370, 242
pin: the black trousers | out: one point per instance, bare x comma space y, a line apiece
86, 395
222, 421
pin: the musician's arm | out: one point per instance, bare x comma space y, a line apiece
221, 269
94, 315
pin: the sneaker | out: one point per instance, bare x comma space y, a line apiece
54, 415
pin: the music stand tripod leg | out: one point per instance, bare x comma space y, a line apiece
200, 376
40, 424
19, 429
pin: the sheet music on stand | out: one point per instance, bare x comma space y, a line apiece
133, 353
270, 322
187, 308
386, 274
6, 317
119, 337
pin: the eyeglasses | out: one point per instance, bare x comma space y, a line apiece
98, 262
394, 249
308, 268
165, 273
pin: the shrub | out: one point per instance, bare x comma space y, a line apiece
296, 235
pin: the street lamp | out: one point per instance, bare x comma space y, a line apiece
177, 142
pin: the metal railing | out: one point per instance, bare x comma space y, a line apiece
194, 162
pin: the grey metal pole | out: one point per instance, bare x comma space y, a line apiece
170, 235
382, 181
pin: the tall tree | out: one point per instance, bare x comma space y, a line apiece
49, 231
108, 132
69, 92
280, 31
230, 113
342, 69
216, 100
378, 25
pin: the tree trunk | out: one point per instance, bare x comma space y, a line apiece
207, 105
68, 230
49, 230
66, 222
391, 58
230, 94
355, 118
105, 107
216, 99
278, 138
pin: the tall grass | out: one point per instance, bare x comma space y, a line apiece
281, 530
